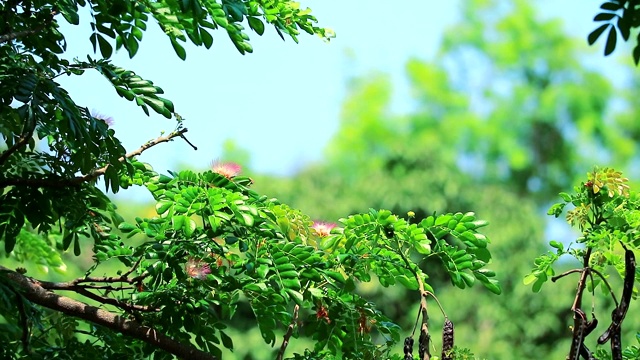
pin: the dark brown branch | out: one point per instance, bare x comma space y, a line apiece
19, 34
79, 286
111, 301
590, 270
568, 272
35, 293
579, 318
425, 338
287, 336
76, 181
188, 142
577, 302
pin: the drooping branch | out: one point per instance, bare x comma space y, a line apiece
76, 181
32, 291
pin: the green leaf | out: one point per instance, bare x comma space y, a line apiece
163, 206
409, 282
295, 295
595, 34
207, 39
529, 279
256, 24
604, 16
156, 104
70, 13
180, 51
494, 286
226, 340
76, 246
566, 197
257, 287
105, 48
127, 94
556, 245
611, 6
189, 227
291, 283
611, 41
423, 247
126, 227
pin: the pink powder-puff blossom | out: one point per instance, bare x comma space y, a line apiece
197, 269
227, 169
323, 229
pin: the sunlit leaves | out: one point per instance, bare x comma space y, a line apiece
606, 213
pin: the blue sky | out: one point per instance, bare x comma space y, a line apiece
281, 103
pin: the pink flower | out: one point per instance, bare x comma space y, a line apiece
322, 228
227, 170
197, 269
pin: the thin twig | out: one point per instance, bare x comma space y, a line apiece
569, 272
429, 293
84, 290
613, 296
588, 270
287, 336
188, 142
577, 303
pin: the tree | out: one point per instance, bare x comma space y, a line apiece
213, 244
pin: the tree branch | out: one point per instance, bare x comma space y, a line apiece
76, 181
34, 292
19, 34
287, 336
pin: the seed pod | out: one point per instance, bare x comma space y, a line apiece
447, 340
579, 327
584, 350
629, 278
408, 348
618, 314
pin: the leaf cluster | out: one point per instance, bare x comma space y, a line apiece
618, 18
